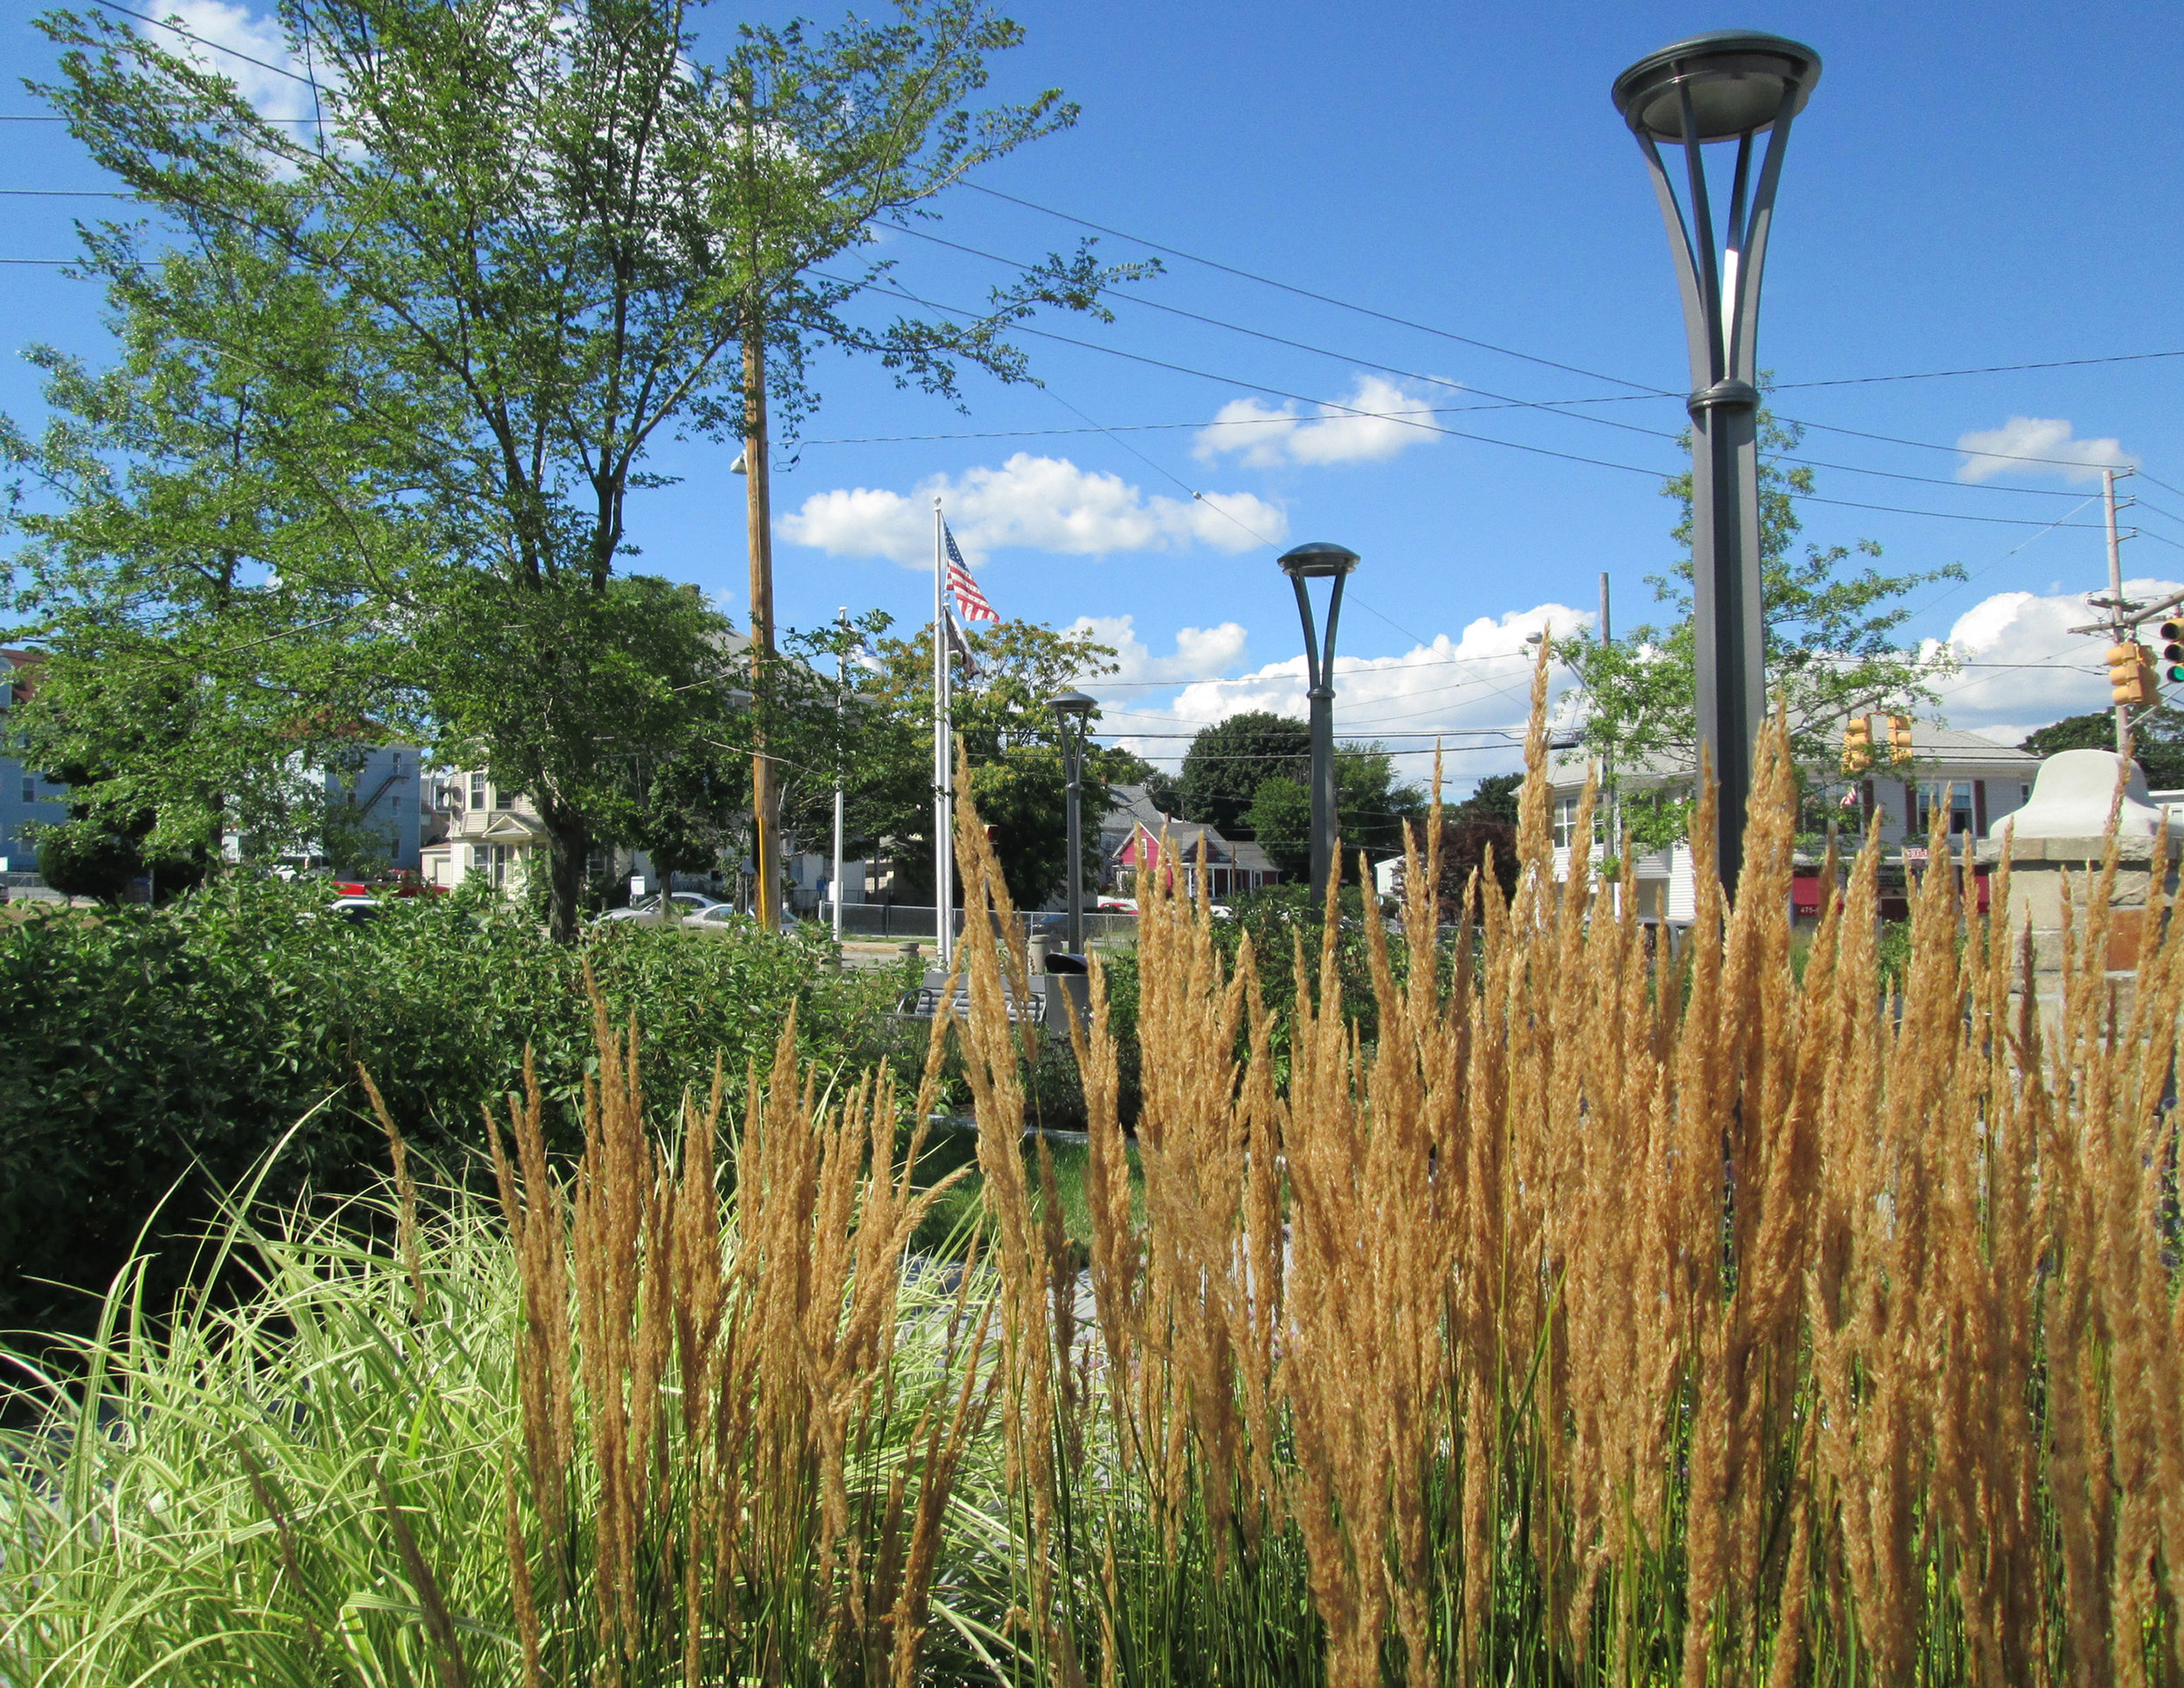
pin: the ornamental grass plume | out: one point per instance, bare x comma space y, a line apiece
1637, 1305
1630, 1305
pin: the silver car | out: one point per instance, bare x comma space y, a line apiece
689, 908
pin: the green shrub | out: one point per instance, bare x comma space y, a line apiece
156, 1054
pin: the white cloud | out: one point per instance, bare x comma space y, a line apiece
1201, 653
276, 96
2023, 667
1482, 679
1376, 419
1037, 503
1993, 452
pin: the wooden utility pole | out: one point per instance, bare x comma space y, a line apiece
765, 796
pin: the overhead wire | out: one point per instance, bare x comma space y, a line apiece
1640, 388
1557, 407
1349, 410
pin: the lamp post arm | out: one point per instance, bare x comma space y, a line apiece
1311, 638
1687, 281
1753, 259
1703, 248
1334, 614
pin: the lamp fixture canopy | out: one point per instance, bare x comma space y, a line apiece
1075, 703
1739, 81
1317, 560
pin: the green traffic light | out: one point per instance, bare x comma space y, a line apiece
2175, 676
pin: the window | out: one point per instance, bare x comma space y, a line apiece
477, 791
1566, 821
398, 808
30, 788
1958, 794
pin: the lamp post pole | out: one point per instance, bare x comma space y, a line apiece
1068, 707
1320, 561
1730, 85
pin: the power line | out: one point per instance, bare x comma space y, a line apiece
1561, 408
1429, 427
1306, 292
1300, 345
191, 35
1640, 388
1255, 386
1987, 369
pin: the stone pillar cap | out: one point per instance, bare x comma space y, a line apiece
2070, 798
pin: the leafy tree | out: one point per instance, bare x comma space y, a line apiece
1373, 805
2157, 742
1281, 821
1831, 648
828, 137
390, 382
1010, 736
77, 861
1493, 798
1228, 761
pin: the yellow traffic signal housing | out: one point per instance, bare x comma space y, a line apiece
2131, 683
2172, 665
1857, 744
1899, 740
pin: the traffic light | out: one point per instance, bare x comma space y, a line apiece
1899, 740
2172, 668
1857, 744
2130, 675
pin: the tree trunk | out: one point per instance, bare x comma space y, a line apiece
765, 792
568, 844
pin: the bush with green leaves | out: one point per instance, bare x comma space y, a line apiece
153, 1054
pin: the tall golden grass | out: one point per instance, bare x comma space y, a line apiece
1621, 1312
1619, 1315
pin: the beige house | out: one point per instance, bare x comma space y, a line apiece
478, 828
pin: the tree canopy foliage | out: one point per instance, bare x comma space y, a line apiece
389, 381
2157, 742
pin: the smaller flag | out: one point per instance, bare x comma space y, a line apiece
969, 599
958, 645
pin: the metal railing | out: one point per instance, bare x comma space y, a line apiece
912, 920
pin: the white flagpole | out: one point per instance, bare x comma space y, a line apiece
943, 810
841, 689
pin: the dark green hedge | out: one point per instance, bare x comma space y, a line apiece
148, 1051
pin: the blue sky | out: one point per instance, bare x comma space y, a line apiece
1969, 187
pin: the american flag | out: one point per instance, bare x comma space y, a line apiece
969, 599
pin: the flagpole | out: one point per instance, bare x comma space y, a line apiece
841, 698
943, 829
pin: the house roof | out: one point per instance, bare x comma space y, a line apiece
1134, 804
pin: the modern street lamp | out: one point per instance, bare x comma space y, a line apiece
1731, 85
1320, 561
1075, 706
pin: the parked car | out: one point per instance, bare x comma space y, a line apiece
355, 910
689, 906
1117, 905
717, 920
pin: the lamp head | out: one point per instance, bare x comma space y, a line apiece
1317, 561
1740, 82
1076, 703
